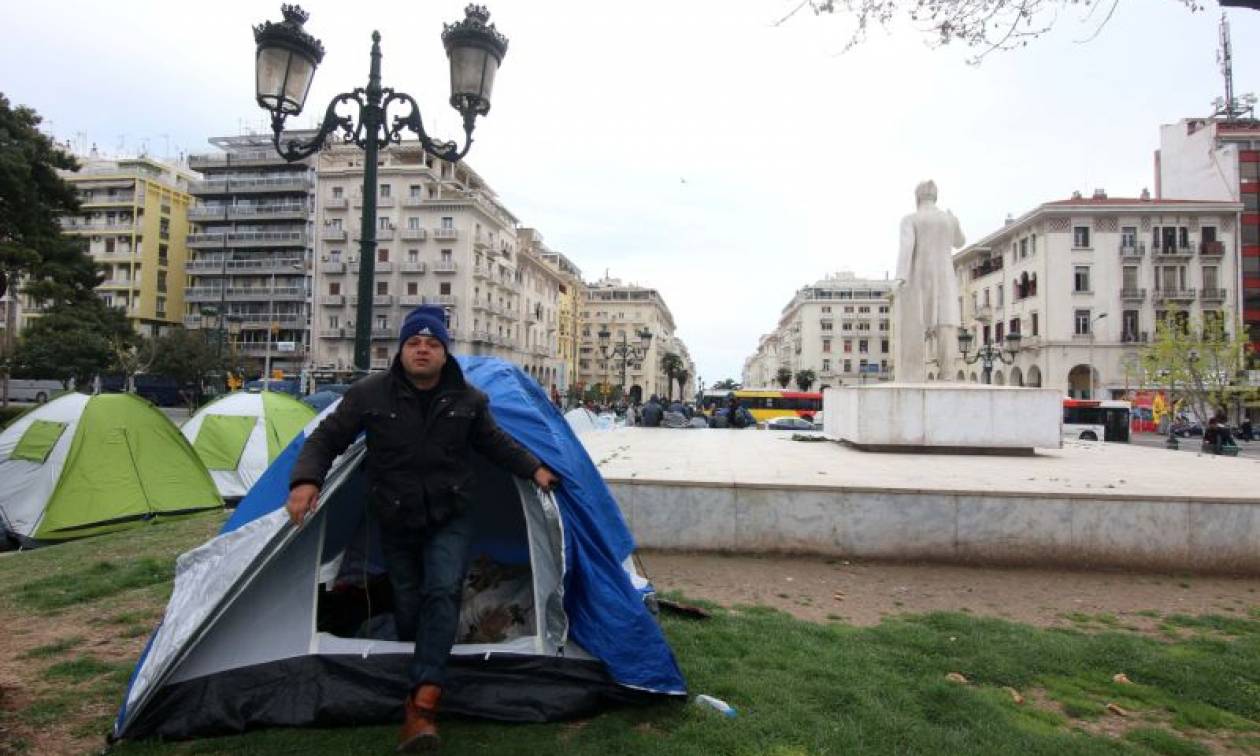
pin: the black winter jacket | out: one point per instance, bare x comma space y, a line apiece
418, 464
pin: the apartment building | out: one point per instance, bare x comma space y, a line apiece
571, 292
134, 218
1084, 281
442, 237
251, 249
838, 327
541, 305
623, 310
1219, 159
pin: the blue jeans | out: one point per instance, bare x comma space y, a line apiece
427, 569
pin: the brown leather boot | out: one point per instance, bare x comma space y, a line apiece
419, 731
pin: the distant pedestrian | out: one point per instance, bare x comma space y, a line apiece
1244, 430
653, 413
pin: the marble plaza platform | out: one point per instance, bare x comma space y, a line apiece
1086, 504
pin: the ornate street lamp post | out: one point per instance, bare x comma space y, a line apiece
287, 57
987, 354
626, 351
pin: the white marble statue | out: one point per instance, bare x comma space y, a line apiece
925, 299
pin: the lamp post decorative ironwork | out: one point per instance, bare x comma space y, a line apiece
629, 353
287, 57
988, 354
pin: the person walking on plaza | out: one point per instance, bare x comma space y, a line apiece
422, 422
653, 413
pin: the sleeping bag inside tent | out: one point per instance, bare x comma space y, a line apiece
238, 435
271, 624
81, 465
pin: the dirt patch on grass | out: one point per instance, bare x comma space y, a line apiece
862, 593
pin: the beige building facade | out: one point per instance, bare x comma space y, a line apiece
623, 310
443, 238
838, 327
1084, 282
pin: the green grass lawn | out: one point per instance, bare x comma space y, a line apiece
800, 688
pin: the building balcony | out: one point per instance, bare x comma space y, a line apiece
382, 266
333, 234
444, 266
333, 300
332, 268
385, 234
378, 300
984, 314
248, 239
483, 306
334, 333
446, 234
410, 300
118, 255
386, 333
235, 159
1133, 295
1172, 253
444, 300
217, 265
1132, 250
1134, 337
117, 283
69, 226
1212, 249
480, 271
129, 198
262, 211
413, 202
413, 234
245, 294
482, 336
1173, 295
336, 203
299, 183
264, 321
482, 242
1214, 295
411, 267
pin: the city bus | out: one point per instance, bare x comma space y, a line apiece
765, 404
1082, 418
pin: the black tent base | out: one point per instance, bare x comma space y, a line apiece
343, 690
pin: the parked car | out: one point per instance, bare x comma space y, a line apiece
1187, 428
36, 390
289, 386
789, 424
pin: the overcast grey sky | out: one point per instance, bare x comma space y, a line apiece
689, 146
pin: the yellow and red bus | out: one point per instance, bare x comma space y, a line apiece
765, 404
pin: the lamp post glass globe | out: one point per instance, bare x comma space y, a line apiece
285, 62
475, 50
964, 340
1013, 341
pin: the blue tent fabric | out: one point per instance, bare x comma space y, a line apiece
607, 616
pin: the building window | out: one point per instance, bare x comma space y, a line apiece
336, 193
1129, 331
334, 288
382, 288
863, 346
825, 325
1129, 278
1209, 277
1023, 248
883, 346
382, 223
445, 289
826, 309
848, 366
382, 254
1128, 237
414, 191
448, 223
1035, 328
1080, 237
826, 345
1080, 279
413, 288
1081, 321
848, 346
334, 224
413, 223
334, 321
826, 366
1001, 296
446, 255
384, 190
382, 323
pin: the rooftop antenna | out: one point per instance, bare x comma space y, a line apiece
1231, 109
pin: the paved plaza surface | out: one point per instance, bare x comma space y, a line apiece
773, 459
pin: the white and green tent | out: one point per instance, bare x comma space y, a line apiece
238, 436
81, 465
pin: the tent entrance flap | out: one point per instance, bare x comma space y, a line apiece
38, 441
222, 439
499, 604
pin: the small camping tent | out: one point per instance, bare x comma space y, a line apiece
275, 625
81, 465
238, 435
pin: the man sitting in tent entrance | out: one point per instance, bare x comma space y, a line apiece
422, 420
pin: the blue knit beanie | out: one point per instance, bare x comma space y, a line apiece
425, 320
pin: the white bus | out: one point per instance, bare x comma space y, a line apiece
33, 389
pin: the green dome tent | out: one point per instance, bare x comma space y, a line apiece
81, 465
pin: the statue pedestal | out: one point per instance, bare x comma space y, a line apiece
957, 418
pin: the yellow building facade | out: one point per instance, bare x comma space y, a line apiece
134, 217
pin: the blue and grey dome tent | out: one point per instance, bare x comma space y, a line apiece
272, 625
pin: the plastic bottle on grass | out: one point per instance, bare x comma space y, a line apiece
716, 704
